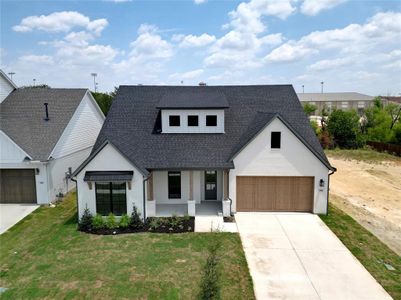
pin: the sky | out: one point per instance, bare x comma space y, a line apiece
349, 45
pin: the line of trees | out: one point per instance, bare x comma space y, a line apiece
347, 129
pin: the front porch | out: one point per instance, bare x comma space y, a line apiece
187, 192
205, 208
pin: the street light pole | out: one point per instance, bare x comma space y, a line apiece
94, 80
11, 75
322, 83
303, 89
34, 82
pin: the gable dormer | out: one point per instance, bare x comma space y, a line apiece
6, 86
193, 112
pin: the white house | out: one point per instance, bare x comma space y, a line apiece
45, 134
204, 150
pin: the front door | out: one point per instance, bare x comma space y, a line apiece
210, 185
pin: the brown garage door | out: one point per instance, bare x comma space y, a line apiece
261, 193
17, 186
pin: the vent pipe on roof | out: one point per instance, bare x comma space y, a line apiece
202, 83
47, 112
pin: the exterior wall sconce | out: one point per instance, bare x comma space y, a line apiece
129, 185
90, 185
37, 171
321, 183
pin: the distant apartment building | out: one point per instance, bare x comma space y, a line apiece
343, 101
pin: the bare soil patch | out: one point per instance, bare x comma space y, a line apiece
371, 194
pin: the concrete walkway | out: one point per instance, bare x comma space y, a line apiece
296, 256
10, 214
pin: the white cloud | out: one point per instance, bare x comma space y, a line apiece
37, 59
187, 75
194, 40
63, 21
381, 29
199, 1
328, 64
314, 7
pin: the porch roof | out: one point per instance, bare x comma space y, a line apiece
108, 175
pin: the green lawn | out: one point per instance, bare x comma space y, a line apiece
44, 256
365, 154
369, 250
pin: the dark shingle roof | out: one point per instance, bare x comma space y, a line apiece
134, 115
22, 117
203, 97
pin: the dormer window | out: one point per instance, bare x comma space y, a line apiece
193, 121
174, 121
211, 120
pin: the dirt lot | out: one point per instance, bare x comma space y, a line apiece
371, 193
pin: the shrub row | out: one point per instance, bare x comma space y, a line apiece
110, 225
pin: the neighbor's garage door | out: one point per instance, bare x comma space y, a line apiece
17, 186
260, 193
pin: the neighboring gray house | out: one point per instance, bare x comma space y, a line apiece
204, 149
343, 101
45, 134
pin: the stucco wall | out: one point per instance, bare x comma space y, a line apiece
109, 159
160, 187
293, 159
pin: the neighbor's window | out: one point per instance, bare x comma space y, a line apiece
174, 185
344, 104
193, 121
211, 120
275, 142
174, 121
111, 198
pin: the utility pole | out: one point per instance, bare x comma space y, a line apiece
303, 89
94, 81
11, 75
322, 83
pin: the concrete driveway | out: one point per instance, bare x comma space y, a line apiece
296, 256
10, 214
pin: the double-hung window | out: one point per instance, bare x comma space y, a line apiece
111, 198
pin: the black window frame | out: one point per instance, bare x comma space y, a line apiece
193, 120
209, 119
174, 187
171, 119
275, 140
118, 209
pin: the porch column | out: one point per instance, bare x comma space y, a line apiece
191, 200
226, 200
150, 203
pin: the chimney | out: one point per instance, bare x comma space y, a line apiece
47, 112
202, 83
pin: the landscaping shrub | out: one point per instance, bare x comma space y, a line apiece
98, 222
210, 287
124, 221
111, 222
85, 222
136, 220
345, 129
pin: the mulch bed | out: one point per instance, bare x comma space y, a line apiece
184, 226
229, 219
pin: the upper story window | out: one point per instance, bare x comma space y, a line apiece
361, 104
211, 120
174, 121
193, 121
344, 104
275, 142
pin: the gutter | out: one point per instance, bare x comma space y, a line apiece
144, 198
328, 188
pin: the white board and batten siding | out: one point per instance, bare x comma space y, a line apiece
6, 87
82, 130
110, 159
10, 152
292, 159
184, 128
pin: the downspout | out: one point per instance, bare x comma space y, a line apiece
328, 189
76, 189
144, 198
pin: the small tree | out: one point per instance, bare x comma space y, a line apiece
343, 126
309, 109
85, 223
210, 287
135, 220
